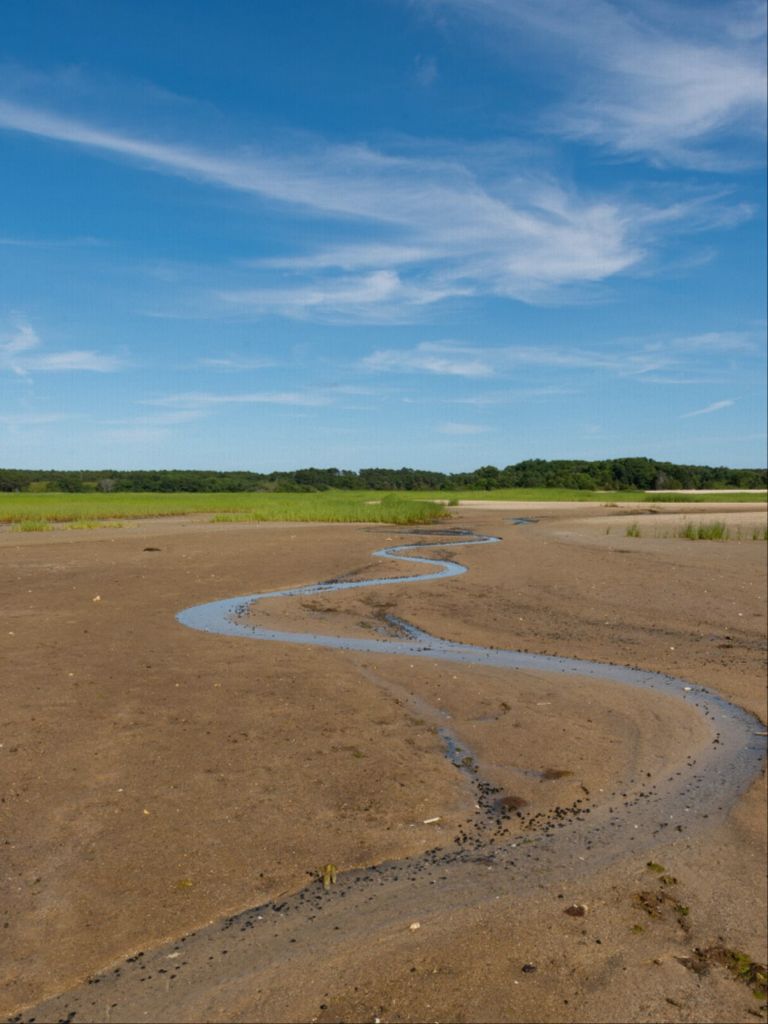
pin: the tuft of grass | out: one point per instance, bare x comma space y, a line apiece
93, 524
716, 530
633, 530
31, 525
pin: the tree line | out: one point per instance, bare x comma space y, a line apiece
604, 475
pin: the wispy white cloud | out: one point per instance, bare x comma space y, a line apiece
80, 359
685, 381
20, 353
438, 224
442, 358
235, 363
378, 296
158, 419
361, 256
203, 399
509, 396
462, 429
715, 341
714, 407
426, 73
51, 243
31, 419
646, 77
461, 360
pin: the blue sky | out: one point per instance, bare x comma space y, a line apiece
435, 233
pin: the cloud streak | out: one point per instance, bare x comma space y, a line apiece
441, 358
714, 407
19, 353
460, 360
462, 429
203, 400
438, 225
643, 79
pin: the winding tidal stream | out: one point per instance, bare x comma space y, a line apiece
203, 975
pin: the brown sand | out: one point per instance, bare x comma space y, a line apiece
156, 779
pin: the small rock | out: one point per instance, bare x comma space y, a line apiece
528, 968
576, 910
414, 927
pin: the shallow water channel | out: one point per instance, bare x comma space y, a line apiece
494, 858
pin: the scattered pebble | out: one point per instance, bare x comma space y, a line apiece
576, 910
528, 968
414, 927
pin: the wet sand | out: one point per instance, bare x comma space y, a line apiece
158, 779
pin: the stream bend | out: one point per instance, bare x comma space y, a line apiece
266, 945
733, 759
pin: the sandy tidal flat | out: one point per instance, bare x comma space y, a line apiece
157, 779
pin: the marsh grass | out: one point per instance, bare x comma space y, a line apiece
86, 511
572, 494
31, 525
326, 506
94, 524
311, 508
720, 531
716, 530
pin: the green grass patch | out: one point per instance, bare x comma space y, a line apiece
93, 524
571, 494
83, 511
31, 525
326, 506
716, 530
312, 508
530, 494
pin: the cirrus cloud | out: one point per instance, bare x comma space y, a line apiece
20, 353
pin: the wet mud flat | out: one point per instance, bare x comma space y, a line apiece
512, 851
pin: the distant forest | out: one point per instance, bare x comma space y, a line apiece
605, 475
